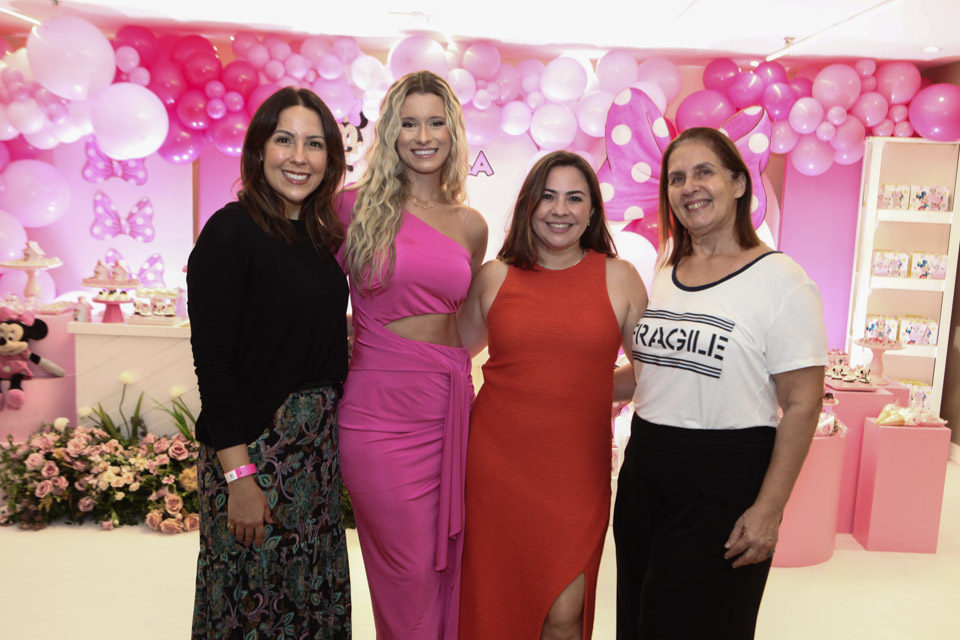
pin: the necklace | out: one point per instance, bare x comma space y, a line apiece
423, 204
579, 260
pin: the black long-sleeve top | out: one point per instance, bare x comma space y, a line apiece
266, 319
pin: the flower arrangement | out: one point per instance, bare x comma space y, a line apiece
98, 473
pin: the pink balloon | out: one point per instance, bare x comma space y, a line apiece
240, 76
214, 89
233, 101
745, 90
849, 135
849, 156
216, 109
663, 73
805, 115
507, 78
242, 43
706, 108
127, 59
330, 67
865, 67
258, 95
554, 126
884, 128
337, 94
347, 48
616, 70
273, 70
782, 137
70, 57
227, 133
313, 48
16, 282
167, 81
141, 39
870, 108
720, 73
826, 131
463, 84
898, 113
182, 145
903, 129
189, 45
837, 84
4, 157
418, 53
13, 238
129, 121
482, 60
482, 99
37, 193
811, 156
898, 82
777, 98
140, 76
802, 86
279, 50
192, 110
771, 73
515, 118
563, 79
868, 84
258, 56
200, 68
592, 112
836, 115
483, 126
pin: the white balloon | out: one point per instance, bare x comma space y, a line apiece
129, 121
71, 57
25, 115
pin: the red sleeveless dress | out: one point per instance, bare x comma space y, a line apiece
538, 459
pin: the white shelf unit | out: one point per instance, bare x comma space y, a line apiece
910, 161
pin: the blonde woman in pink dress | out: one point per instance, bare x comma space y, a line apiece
412, 249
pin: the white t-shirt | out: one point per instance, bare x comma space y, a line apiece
707, 353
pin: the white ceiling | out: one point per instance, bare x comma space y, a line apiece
691, 31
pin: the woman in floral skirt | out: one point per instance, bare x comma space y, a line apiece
267, 303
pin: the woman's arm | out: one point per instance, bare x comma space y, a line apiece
754, 536
628, 297
472, 315
477, 234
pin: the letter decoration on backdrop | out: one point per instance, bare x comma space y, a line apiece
100, 167
108, 223
637, 135
150, 273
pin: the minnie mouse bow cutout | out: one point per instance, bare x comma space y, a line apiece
636, 137
107, 222
8, 314
100, 167
150, 274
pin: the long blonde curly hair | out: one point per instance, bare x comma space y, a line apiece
377, 214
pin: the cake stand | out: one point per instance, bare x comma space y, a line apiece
112, 313
32, 290
876, 364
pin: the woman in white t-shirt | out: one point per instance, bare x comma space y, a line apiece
733, 331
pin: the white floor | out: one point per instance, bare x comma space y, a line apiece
80, 582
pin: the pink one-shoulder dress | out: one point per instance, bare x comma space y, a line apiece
403, 435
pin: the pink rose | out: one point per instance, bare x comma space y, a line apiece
86, 504
50, 469
107, 525
191, 522
178, 451
161, 445
80, 485
173, 503
171, 526
47, 442
60, 483
43, 489
80, 465
163, 459
154, 518
167, 479
34, 461
179, 437
76, 448
150, 438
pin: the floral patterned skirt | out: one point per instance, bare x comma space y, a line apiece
297, 584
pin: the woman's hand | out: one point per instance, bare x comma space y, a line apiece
754, 536
247, 510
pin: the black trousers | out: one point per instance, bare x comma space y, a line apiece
680, 492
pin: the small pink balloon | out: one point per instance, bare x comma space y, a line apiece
181, 145
463, 84
189, 45
884, 128
535, 100
258, 56
770, 73
482, 99
167, 81
141, 39
592, 112
935, 112
849, 156
242, 42
227, 133
4, 161
273, 70
192, 110
837, 84
337, 95
233, 101
280, 50
705, 108
482, 60
515, 118
870, 108
616, 70
258, 95
348, 49
483, 126
216, 109
563, 79
897, 113
811, 156
140, 76
330, 67
296, 66
777, 98
826, 131
898, 82
200, 68
803, 86
868, 84
720, 73
903, 129
805, 115
662, 72
314, 47
507, 79
554, 126
240, 76
836, 115
745, 90
865, 67
127, 59
214, 89
849, 135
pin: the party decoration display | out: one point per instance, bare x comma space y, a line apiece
100, 167
150, 273
108, 223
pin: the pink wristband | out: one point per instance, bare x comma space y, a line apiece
239, 472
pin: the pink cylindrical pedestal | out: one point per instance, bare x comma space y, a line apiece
809, 528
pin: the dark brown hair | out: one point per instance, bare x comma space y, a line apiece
263, 203
729, 157
519, 247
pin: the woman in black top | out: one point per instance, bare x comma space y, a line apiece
267, 304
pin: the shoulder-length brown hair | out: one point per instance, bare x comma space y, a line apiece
263, 203
669, 253
519, 247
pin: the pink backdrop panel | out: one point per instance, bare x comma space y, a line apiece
818, 229
218, 180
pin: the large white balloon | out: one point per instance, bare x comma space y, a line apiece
129, 121
71, 57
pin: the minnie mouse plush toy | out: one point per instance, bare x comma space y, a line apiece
17, 327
